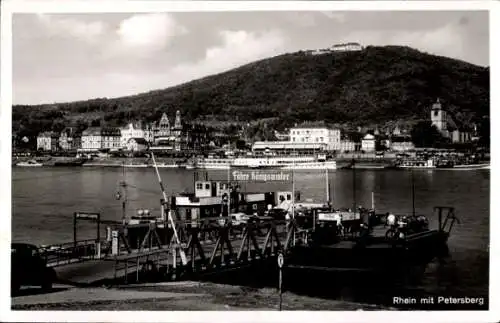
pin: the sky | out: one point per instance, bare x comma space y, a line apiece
69, 57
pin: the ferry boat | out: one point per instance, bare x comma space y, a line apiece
359, 242
29, 163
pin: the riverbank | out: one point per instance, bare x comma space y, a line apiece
167, 162
180, 296
102, 162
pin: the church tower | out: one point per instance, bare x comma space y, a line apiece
178, 124
439, 117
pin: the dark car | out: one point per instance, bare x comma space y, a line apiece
28, 267
277, 213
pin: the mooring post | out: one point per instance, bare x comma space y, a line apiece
74, 229
137, 270
280, 277
98, 250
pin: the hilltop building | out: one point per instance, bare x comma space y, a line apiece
347, 47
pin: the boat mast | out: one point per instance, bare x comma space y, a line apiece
413, 193
229, 189
123, 185
293, 186
353, 185
327, 185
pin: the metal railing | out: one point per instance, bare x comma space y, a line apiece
70, 252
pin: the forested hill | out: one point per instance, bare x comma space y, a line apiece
370, 86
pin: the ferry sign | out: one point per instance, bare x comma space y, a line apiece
281, 260
256, 176
87, 216
343, 216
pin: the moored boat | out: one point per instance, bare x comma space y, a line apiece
471, 166
70, 162
29, 163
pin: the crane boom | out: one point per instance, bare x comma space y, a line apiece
170, 219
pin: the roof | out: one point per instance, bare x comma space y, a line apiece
70, 131
98, 131
369, 137
92, 131
140, 141
312, 125
48, 134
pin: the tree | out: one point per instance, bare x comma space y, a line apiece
241, 144
424, 134
484, 132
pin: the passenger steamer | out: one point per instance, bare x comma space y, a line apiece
282, 162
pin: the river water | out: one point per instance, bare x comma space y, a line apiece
44, 199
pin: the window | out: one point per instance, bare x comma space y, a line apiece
436, 113
199, 186
207, 186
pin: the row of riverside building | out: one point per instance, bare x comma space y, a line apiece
310, 138
307, 138
133, 137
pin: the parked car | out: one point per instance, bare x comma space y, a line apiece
28, 267
239, 218
277, 213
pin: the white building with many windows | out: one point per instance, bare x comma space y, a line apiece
305, 134
132, 131
96, 138
368, 143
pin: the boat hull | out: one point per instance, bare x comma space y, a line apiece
312, 166
347, 256
28, 165
467, 167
